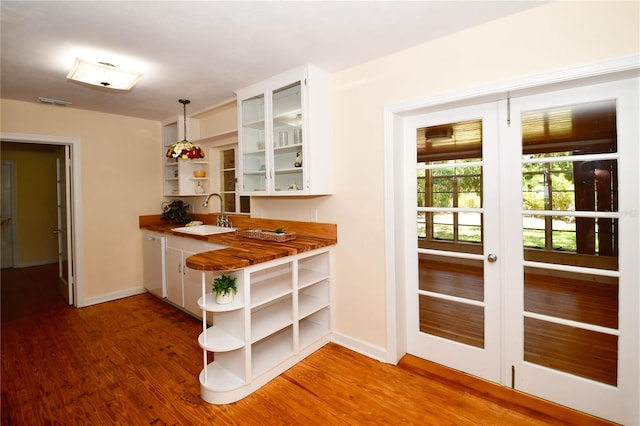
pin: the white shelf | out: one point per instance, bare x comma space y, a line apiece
287, 148
308, 305
307, 277
219, 378
270, 319
271, 352
313, 328
211, 305
270, 289
289, 170
285, 118
258, 125
215, 339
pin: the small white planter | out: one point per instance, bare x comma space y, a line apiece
224, 298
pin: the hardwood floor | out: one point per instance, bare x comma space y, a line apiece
135, 361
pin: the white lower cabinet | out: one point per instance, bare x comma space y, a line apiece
183, 284
280, 315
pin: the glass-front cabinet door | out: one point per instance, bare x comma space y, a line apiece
253, 131
272, 141
285, 138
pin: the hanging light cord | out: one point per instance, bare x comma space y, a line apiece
184, 103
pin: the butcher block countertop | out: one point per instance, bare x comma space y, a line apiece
242, 252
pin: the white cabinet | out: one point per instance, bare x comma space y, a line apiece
178, 174
183, 284
285, 135
280, 315
153, 263
175, 267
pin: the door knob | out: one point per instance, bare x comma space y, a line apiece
492, 258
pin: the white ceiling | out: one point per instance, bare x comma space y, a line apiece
205, 50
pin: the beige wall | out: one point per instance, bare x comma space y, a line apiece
120, 172
223, 118
546, 38
36, 212
117, 187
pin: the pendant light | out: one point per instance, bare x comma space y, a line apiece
185, 149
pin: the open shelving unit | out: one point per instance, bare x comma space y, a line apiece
280, 315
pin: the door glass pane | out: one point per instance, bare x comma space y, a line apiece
253, 144
555, 178
437, 318
449, 199
569, 218
586, 298
287, 138
228, 179
574, 350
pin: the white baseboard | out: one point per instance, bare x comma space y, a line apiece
376, 352
113, 296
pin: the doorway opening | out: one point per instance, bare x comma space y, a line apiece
55, 242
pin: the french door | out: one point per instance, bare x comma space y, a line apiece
526, 266
63, 230
456, 306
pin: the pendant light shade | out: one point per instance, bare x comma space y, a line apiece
185, 149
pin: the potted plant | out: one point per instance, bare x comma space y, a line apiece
224, 287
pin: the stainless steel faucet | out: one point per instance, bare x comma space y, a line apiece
206, 200
221, 220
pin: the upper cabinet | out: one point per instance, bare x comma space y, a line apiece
285, 135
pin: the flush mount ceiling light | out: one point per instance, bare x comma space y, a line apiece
103, 74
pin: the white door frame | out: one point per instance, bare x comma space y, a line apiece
12, 214
75, 237
399, 141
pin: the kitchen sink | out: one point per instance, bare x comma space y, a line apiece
203, 230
